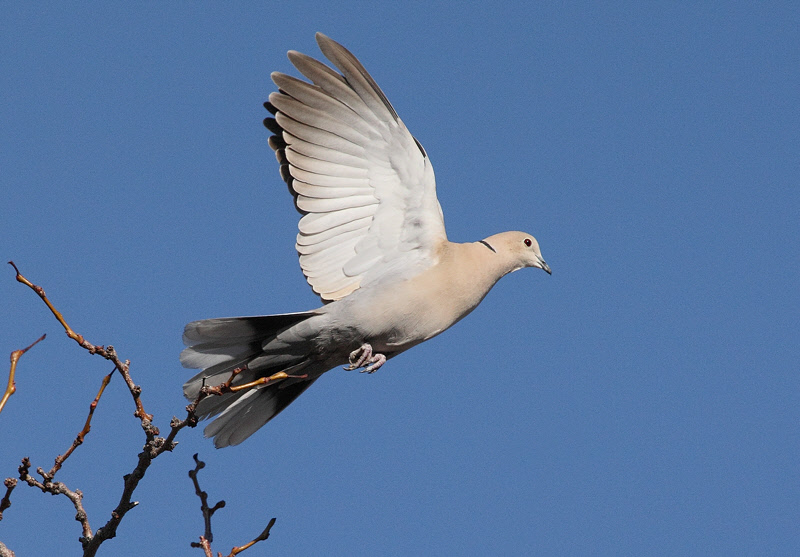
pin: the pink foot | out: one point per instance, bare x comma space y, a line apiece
364, 357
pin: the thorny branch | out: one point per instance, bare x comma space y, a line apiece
153, 447
208, 512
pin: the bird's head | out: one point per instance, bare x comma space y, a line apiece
520, 248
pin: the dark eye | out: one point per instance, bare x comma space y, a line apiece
528, 242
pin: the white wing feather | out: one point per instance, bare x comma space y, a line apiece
364, 184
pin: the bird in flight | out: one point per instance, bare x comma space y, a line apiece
372, 245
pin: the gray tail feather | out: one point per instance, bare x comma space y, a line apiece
217, 347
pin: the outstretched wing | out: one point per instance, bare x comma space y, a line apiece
364, 185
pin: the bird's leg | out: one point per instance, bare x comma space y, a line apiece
364, 357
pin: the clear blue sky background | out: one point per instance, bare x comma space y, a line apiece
642, 400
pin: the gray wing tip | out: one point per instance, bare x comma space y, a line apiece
339, 54
184, 356
295, 56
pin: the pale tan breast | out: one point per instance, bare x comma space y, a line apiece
422, 307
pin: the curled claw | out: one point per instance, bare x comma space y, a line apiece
375, 362
359, 356
366, 358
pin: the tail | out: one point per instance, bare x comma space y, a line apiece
218, 346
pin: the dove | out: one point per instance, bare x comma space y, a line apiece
371, 244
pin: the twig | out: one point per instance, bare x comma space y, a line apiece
208, 512
205, 545
191, 410
218, 390
261, 537
5, 502
12, 386
86, 428
106, 352
57, 488
11, 483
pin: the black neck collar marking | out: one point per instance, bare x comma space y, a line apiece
485, 243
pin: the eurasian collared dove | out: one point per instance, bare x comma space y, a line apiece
372, 245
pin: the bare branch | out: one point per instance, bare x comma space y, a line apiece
40, 291
57, 488
205, 545
86, 428
281, 375
261, 537
191, 410
11, 483
5, 502
207, 511
106, 352
154, 445
12, 386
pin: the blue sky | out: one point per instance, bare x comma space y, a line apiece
642, 400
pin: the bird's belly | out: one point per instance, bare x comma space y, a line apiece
405, 317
